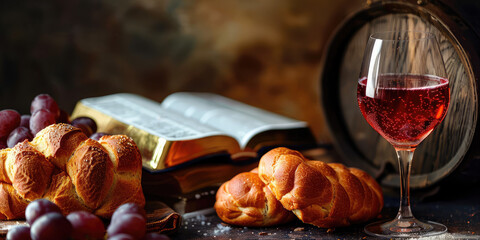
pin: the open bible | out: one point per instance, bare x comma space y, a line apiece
188, 126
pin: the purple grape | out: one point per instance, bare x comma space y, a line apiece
85, 128
45, 101
3, 143
128, 208
87, 121
51, 226
19, 233
156, 236
25, 121
38, 208
19, 134
9, 120
121, 236
96, 136
132, 224
41, 119
63, 117
86, 226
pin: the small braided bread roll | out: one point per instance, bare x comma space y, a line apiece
325, 195
63, 165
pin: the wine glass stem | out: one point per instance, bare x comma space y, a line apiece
405, 162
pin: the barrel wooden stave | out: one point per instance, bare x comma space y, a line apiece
440, 154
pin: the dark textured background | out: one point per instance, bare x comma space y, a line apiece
265, 53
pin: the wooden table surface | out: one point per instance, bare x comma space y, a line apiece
458, 208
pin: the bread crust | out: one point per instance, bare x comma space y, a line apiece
246, 201
12, 204
59, 143
91, 171
30, 171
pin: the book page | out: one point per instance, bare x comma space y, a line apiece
236, 119
149, 116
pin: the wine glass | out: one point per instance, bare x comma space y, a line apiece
403, 93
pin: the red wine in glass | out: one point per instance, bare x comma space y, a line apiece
403, 93
408, 109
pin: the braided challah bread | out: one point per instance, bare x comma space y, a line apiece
77, 173
325, 195
246, 201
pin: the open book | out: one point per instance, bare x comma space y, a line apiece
187, 126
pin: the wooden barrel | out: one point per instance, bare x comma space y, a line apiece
450, 150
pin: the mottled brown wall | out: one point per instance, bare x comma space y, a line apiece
265, 52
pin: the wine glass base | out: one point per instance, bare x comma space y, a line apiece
405, 228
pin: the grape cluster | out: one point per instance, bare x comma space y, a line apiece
44, 111
46, 222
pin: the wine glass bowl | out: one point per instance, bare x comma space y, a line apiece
405, 108
403, 93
